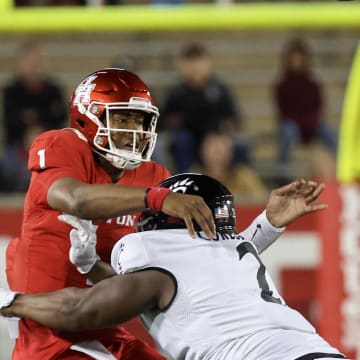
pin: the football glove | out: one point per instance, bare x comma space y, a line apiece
83, 242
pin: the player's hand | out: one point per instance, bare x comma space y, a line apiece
83, 242
189, 208
6, 299
291, 201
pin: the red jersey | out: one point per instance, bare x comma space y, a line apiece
38, 260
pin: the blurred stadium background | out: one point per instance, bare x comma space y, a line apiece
316, 263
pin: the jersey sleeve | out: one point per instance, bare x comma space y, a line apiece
163, 173
261, 232
129, 254
56, 154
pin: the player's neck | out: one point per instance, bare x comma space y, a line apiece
114, 172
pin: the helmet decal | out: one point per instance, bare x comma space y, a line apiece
83, 91
221, 212
181, 186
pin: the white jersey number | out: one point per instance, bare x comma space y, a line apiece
41, 154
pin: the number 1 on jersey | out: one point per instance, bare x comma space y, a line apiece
41, 154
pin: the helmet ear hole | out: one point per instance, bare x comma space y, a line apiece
81, 123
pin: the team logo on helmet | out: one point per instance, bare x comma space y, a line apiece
181, 185
84, 90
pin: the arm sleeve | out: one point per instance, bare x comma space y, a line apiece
261, 232
163, 173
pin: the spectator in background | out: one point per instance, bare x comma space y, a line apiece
32, 102
217, 160
200, 103
16, 176
32, 97
299, 104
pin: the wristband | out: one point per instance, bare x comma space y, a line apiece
154, 197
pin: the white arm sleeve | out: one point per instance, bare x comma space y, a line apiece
261, 232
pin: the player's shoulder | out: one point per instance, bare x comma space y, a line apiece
152, 169
57, 147
152, 165
148, 249
62, 139
59, 135
130, 254
139, 250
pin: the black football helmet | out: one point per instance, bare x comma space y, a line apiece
215, 194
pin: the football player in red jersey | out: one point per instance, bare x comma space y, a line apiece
97, 169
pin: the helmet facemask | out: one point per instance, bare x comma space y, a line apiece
140, 143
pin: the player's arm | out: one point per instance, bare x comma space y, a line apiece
100, 271
95, 201
261, 232
108, 303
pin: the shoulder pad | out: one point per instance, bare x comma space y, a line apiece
129, 254
54, 149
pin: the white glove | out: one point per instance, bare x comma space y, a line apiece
83, 243
7, 297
